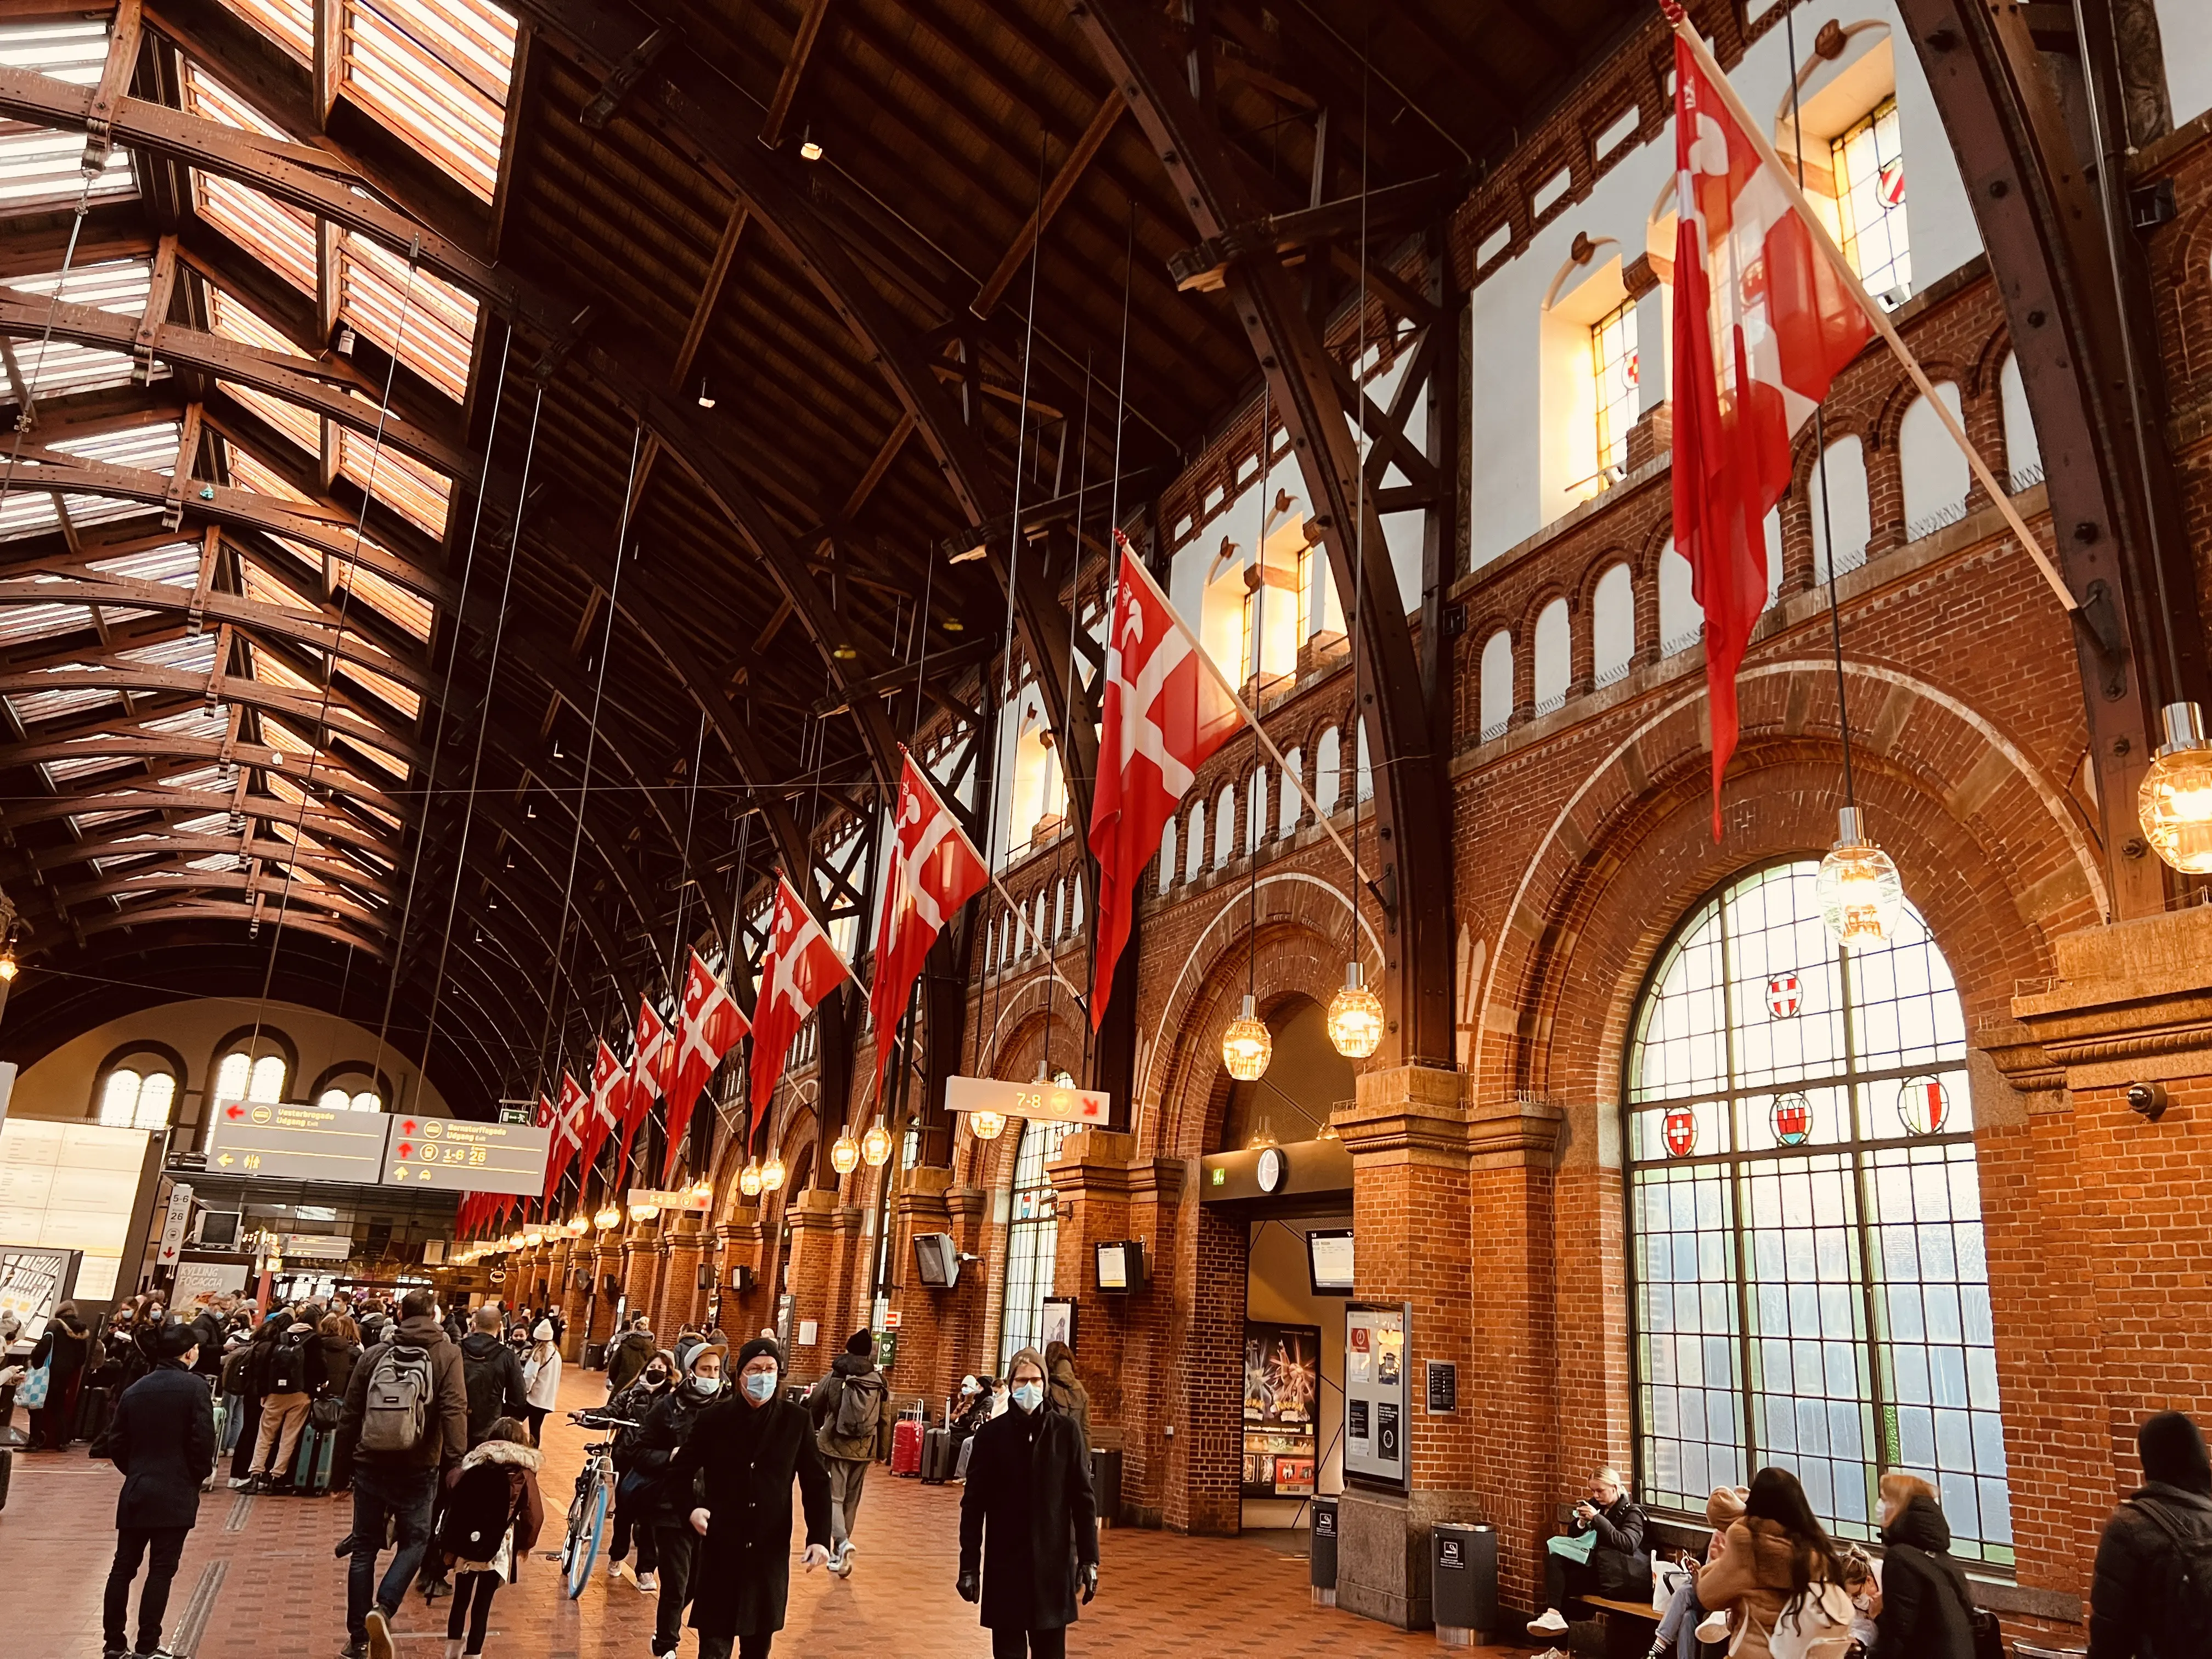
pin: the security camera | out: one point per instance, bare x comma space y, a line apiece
2148, 1098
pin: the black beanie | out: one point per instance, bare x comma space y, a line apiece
760, 1344
859, 1343
2173, 1452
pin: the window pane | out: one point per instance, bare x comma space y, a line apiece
118, 1101
231, 1077
334, 1100
155, 1097
268, 1078
366, 1101
1032, 1238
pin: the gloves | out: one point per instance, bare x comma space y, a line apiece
1090, 1583
967, 1587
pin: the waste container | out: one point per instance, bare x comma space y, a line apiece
1106, 1483
1463, 1583
1321, 1571
595, 1355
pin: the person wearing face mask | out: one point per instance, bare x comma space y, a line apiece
161, 1438
748, 1452
631, 1406
659, 1494
1029, 1521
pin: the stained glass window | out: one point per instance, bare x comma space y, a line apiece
1032, 1238
1810, 1281
1868, 161
1614, 361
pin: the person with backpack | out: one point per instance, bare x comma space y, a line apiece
541, 1376
291, 1376
626, 1358
631, 1406
162, 1440
492, 1516
1782, 1577
1923, 1609
848, 1410
2152, 1595
496, 1388
406, 1415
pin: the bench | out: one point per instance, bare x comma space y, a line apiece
1625, 1637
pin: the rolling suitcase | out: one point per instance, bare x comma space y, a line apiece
906, 1447
311, 1466
936, 1457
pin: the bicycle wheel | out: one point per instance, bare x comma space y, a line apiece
584, 1545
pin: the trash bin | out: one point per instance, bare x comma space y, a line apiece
1463, 1583
595, 1355
1106, 1483
1322, 1557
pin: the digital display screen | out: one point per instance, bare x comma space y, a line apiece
1113, 1266
1328, 1261
929, 1260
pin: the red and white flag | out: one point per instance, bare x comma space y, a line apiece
1167, 708
1763, 323
568, 1131
707, 1026
801, 968
610, 1101
648, 1057
934, 870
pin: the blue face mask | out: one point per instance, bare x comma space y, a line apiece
760, 1386
708, 1385
1029, 1395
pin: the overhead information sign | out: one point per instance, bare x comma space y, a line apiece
299, 1143
1048, 1102
461, 1155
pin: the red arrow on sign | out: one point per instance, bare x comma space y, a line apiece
234, 1113
408, 1128
404, 1149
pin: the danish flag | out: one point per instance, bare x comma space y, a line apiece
934, 870
610, 1101
1167, 708
568, 1131
707, 1027
800, 968
648, 1056
1764, 321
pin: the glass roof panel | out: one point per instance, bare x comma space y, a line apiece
399, 696
39, 166
424, 321
178, 564
56, 368
289, 23
148, 449
31, 707
417, 492
281, 236
437, 70
193, 654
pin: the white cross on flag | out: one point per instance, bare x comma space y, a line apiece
800, 968
707, 1026
610, 1100
934, 870
568, 1131
1167, 708
648, 1060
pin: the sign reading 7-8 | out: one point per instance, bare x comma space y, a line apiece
1045, 1102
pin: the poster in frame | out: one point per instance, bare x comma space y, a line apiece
1058, 1324
1281, 1408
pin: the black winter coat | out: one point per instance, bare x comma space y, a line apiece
1925, 1611
652, 1490
162, 1438
66, 1347
1029, 1520
1618, 1558
494, 1377
2139, 1569
747, 1456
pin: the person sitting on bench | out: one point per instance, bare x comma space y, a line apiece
1612, 1561
1688, 1621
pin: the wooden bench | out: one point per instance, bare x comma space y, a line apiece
1624, 1635
1642, 1610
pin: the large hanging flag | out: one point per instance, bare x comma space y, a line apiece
648, 1058
1166, 710
707, 1026
1764, 321
934, 870
568, 1132
610, 1102
801, 968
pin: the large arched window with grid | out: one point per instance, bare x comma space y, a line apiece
1809, 1280
1032, 1238
138, 1093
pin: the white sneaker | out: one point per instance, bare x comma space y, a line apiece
1550, 1624
649, 1581
1713, 1628
614, 1572
240, 1482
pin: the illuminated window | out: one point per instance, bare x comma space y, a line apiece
437, 72
131, 1099
41, 166
1868, 161
1810, 1281
337, 1099
1032, 1236
239, 1078
1613, 360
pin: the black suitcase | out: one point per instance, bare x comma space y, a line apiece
936, 1457
94, 1406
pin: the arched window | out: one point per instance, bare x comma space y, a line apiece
137, 1095
1225, 826
1935, 477
350, 1095
1291, 804
1681, 619
1496, 683
239, 1078
1167, 855
2023, 452
1328, 771
1840, 508
1554, 657
1032, 1238
1613, 625
1809, 1280
1255, 809
1194, 849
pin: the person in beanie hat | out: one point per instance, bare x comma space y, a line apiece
746, 1452
658, 1495
161, 1439
1029, 1520
848, 1410
2147, 1600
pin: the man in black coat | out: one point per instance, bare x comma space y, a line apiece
2146, 1600
1619, 1565
162, 1438
748, 1451
1029, 1521
659, 1496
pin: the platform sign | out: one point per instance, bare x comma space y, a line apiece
1031, 1102
460, 1154
296, 1142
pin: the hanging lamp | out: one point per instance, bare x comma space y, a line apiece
845, 1154
772, 1173
749, 1179
876, 1144
1246, 1047
1355, 1015
1859, 891
986, 1125
2175, 801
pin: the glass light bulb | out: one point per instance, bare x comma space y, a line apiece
2175, 801
644, 1211
1246, 1046
7, 965
749, 1179
703, 1190
772, 1173
533, 1238
876, 1145
1859, 891
1355, 1017
609, 1217
844, 1154
986, 1125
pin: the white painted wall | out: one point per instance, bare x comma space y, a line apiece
1935, 475
2184, 29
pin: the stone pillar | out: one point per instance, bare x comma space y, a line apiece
642, 1266
816, 1219
1426, 1160
605, 1259
745, 1244
572, 1295
682, 1247
923, 1366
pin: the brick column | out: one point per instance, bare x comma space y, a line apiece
605, 1260
745, 1244
578, 1267
814, 1217
683, 1246
642, 1266
923, 1366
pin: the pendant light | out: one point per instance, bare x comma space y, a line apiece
608, 1218
876, 1144
772, 1173
533, 1238
986, 1125
1246, 1047
1860, 893
2175, 801
749, 1179
845, 1154
1355, 1015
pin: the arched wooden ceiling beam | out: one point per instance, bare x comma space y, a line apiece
200, 909
246, 692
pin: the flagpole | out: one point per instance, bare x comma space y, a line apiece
1130, 562
1684, 31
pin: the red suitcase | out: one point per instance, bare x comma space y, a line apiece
906, 1447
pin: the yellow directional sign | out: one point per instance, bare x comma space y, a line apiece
462, 1155
296, 1142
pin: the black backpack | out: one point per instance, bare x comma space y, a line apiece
479, 1509
2183, 1612
288, 1364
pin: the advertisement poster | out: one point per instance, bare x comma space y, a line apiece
32, 1283
1282, 1399
1378, 1393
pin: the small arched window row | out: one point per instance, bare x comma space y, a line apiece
139, 1094
240, 1076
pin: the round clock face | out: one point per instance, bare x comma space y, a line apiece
1274, 1166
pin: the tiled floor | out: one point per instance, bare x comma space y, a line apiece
258, 1579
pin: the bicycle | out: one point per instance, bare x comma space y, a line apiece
587, 1510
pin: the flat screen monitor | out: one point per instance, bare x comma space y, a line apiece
1328, 1261
936, 1261
1122, 1266
219, 1230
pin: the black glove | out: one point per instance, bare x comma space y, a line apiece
967, 1587
1090, 1583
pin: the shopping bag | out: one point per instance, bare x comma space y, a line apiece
32, 1396
1574, 1546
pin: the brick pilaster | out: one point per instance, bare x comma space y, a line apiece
642, 1266
813, 1218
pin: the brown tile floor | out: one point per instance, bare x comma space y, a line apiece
258, 1579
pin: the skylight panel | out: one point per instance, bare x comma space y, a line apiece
207, 779
148, 449
399, 696
390, 762
56, 368
193, 653
202, 721
39, 166
419, 492
249, 472
84, 821
207, 823
177, 565
31, 707
233, 321
280, 235
214, 863
80, 766
272, 669
437, 70
25, 512
289, 23
379, 295
391, 600
262, 588
300, 426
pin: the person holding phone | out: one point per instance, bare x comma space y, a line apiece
1613, 1563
